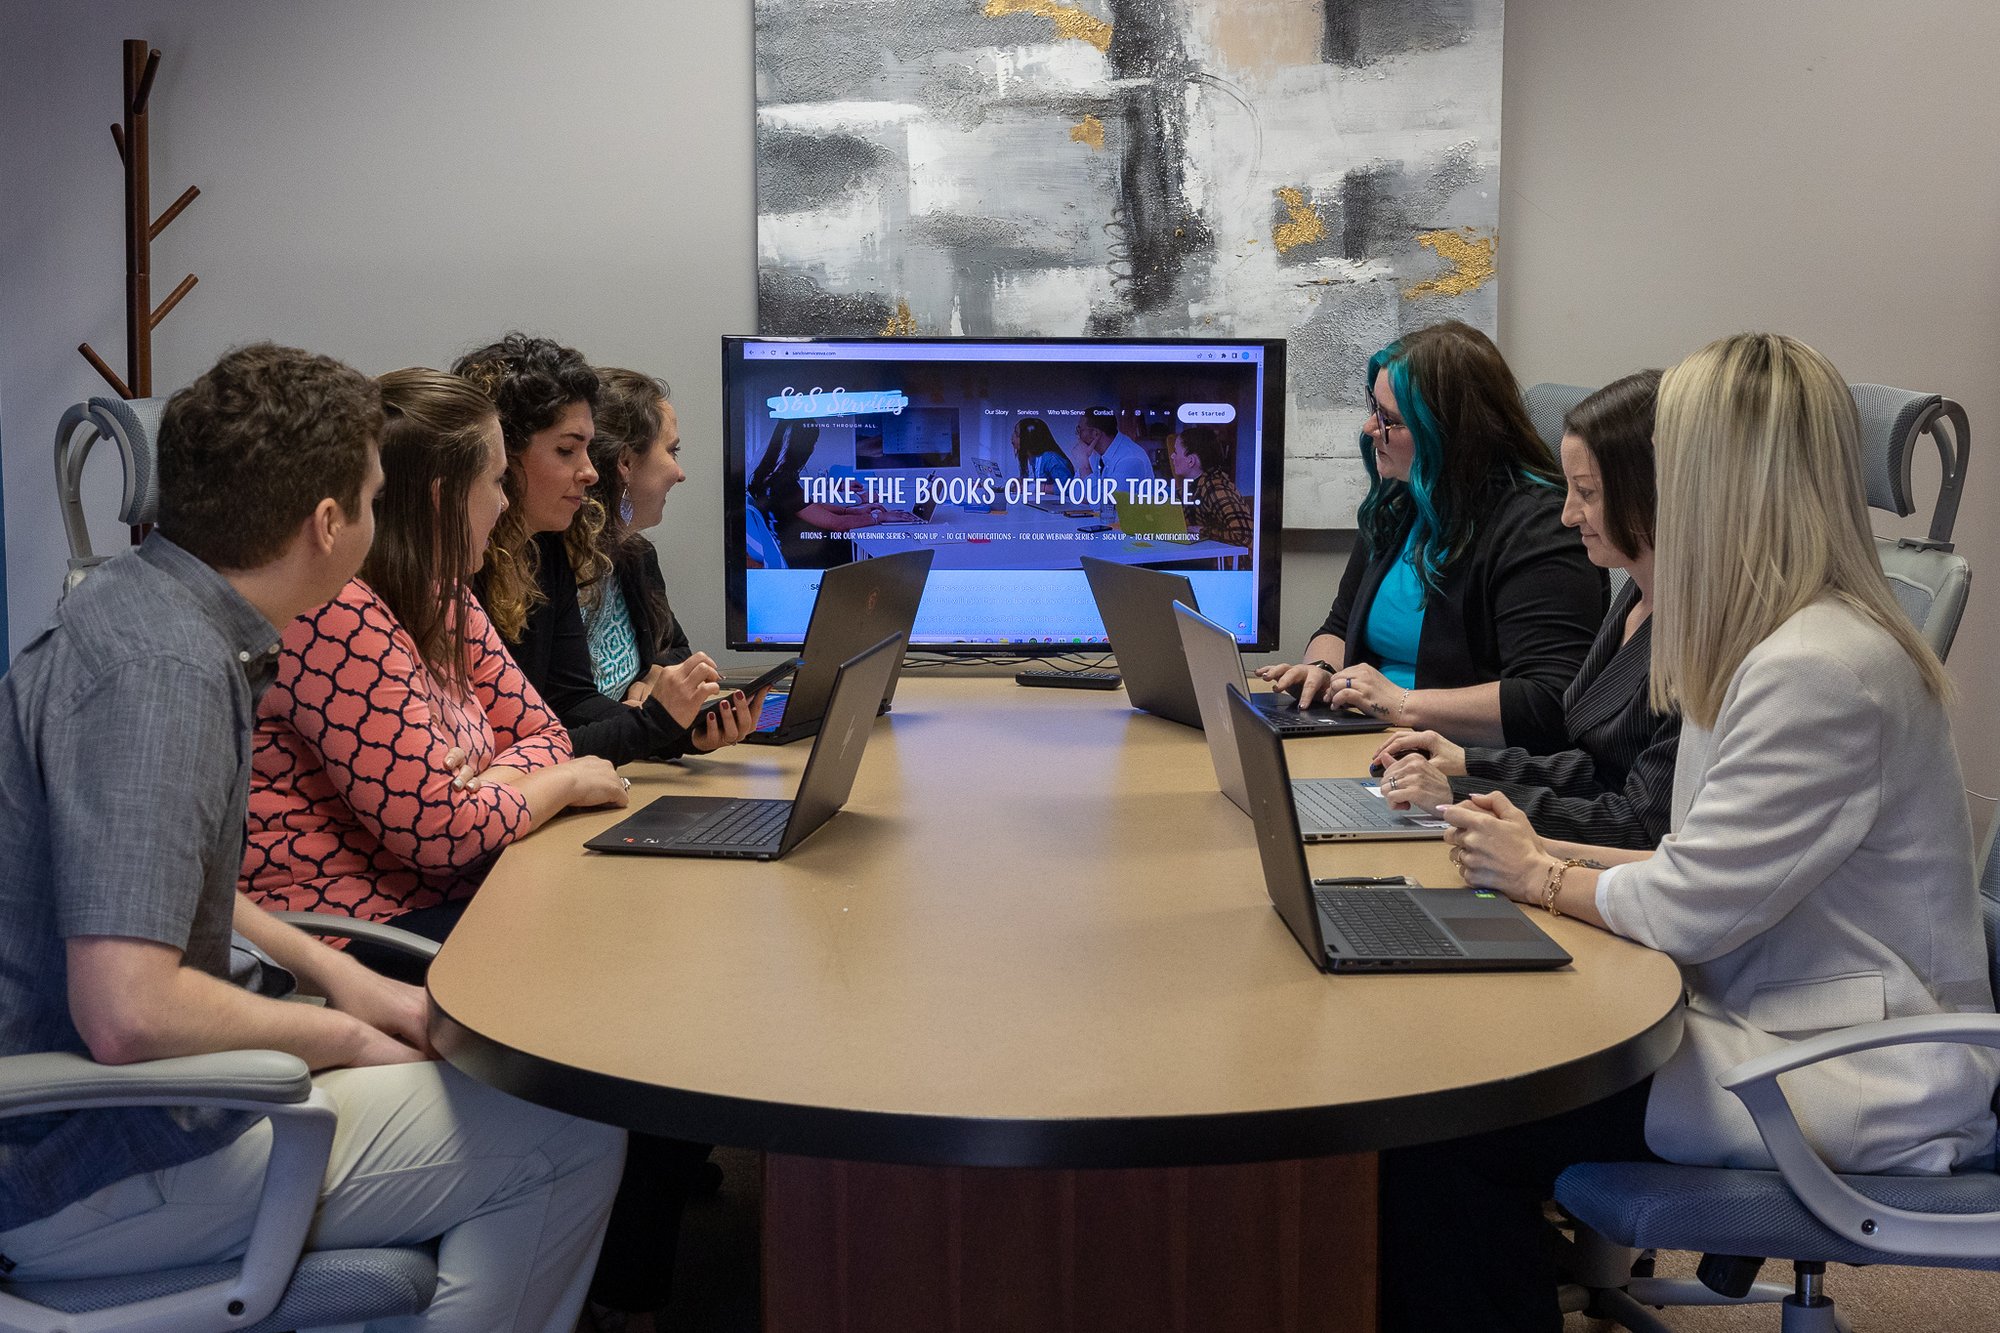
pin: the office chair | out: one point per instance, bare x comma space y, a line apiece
1802, 1211
274, 1286
1930, 581
130, 425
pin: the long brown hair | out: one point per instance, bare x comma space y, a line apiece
531, 380
434, 443
1469, 429
629, 420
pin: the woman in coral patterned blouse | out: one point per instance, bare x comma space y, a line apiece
400, 749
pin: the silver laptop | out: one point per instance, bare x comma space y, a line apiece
1364, 928
1329, 809
1136, 606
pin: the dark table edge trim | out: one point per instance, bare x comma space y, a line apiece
922, 1140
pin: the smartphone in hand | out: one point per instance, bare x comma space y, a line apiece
763, 682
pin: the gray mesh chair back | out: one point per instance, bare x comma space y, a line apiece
132, 428
1892, 423
1930, 582
1548, 404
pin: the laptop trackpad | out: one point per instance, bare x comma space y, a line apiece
1512, 929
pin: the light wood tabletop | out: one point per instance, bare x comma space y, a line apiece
1036, 936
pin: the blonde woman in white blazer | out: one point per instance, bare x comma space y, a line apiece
1818, 873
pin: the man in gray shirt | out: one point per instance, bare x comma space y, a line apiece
125, 733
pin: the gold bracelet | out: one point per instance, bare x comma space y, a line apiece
1555, 881
1551, 887
1403, 703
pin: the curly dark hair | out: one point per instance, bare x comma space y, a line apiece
248, 451
531, 380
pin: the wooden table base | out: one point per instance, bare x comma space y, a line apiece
865, 1248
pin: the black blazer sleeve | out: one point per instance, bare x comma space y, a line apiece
554, 653
1561, 799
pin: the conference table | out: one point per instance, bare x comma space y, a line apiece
1018, 1030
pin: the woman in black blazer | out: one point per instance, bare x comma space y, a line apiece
1613, 785
550, 544
1466, 607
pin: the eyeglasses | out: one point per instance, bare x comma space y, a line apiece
1381, 419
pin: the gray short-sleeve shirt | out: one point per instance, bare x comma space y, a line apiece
125, 734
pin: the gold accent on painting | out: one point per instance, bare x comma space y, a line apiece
1070, 21
1303, 224
1470, 256
1091, 131
902, 324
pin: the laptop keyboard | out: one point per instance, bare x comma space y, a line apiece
1286, 719
1385, 923
1345, 806
744, 824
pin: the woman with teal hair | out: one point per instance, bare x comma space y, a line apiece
1467, 606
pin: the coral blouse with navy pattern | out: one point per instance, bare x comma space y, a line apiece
352, 807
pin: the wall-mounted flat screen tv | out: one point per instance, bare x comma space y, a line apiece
1011, 458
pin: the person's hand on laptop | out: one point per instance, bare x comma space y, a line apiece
1447, 758
1415, 784
735, 719
1494, 847
1367, 691
1307, 682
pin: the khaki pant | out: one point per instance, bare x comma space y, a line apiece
515, 1195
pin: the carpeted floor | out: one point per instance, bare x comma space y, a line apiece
1874, 1300
715, 1287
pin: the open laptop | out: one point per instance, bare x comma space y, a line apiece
1364, 929
1328, 809
764, 830
1137, 608
858, 604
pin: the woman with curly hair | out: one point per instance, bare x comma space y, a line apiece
548, 546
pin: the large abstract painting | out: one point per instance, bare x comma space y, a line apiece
1326, 171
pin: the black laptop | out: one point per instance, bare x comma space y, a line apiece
1360, 929
764, 830
1137, 608
858, 604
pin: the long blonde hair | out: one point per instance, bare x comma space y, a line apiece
1762, 512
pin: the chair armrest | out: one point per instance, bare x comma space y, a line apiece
268, 1083
1894, 1231
56, 1081
354, 928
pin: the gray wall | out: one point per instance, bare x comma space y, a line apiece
391, 182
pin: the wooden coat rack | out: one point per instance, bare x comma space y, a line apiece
141, 227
